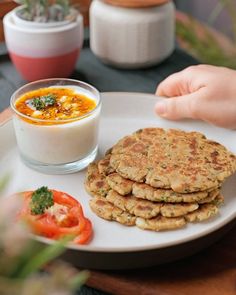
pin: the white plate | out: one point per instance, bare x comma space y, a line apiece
122, 113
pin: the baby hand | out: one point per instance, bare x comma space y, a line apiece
200, 92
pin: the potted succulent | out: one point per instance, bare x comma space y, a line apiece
44, 38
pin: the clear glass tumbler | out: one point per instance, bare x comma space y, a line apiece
57, 146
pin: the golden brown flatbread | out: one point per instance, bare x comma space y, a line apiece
101, 207
172, 159
95, 183
99, 185
160, 223
148, 209
104, 209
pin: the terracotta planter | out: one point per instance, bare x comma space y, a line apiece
40, 50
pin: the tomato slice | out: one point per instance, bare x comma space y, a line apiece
48, 224
85, 235
64, 199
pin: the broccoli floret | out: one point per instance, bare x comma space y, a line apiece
41, 200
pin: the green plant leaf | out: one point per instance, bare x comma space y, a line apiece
44, 10
4, 182
79, 280
200, 41
37, 261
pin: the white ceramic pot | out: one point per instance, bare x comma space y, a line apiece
40, 50
132, 37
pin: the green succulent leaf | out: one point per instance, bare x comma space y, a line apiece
44, 10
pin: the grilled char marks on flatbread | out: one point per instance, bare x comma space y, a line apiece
95, 183
106, 210
160, 179
99, 185
144, 191
143, 208
148, 209
118, 183
104, 166
183, 161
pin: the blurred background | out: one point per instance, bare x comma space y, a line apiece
205, 29
210, 11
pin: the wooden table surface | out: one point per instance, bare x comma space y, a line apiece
211, 271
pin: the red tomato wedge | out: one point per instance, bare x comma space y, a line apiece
65, 217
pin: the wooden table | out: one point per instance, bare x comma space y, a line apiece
213, 270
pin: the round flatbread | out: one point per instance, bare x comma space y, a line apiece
160, 223
183, 161
101, 207
104, 209
95, 183
145, 191
98, 184
205, 212
148, 209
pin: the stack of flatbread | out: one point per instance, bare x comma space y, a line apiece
160, 179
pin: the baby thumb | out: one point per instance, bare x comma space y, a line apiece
174, 108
